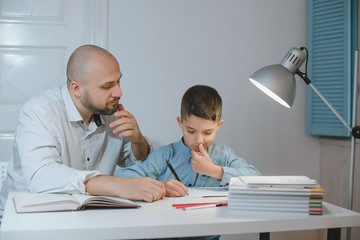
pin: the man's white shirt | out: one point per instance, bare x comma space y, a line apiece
55, 151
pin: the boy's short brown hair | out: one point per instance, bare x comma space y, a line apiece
201, 101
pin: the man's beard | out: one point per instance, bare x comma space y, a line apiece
109, 109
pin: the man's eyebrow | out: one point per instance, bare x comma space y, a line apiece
110, 82
106, 83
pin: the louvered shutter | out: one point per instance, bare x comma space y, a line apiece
330, 44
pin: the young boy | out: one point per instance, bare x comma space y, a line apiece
196, 159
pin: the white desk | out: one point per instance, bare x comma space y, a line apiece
159, 220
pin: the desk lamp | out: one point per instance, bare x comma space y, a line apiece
278, 82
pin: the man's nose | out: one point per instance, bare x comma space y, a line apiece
117, 91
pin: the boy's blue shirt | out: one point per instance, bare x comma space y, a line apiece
179, 157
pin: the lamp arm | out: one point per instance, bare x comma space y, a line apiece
308, 82
331, 107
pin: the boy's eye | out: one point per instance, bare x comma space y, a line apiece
208, 133
190, 131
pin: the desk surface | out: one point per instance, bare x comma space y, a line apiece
160, 219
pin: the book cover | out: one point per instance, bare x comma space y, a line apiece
238, 186
278, 181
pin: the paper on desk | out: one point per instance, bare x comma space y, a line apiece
203, 192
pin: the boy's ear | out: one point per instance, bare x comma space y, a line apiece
179, 120
220, 123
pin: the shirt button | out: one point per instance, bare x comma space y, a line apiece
190, 185
88, 159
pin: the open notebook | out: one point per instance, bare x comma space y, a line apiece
49, 202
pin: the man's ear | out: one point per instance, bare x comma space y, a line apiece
75, 88
179, 120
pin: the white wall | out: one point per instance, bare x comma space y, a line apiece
166, 46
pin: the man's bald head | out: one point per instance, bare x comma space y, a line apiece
80, 62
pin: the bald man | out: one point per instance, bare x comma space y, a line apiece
70, 139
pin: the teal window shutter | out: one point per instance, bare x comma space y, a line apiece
332, 38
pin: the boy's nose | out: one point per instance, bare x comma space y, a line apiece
199, 139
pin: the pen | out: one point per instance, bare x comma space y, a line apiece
172, 170
205, 206
184, 205
208, 196
193, 204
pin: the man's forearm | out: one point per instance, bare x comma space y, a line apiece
142, 188
141, 149
101, 185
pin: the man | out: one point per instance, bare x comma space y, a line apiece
71, 138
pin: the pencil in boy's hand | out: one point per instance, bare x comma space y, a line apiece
172, 170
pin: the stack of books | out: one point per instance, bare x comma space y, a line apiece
295, 194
